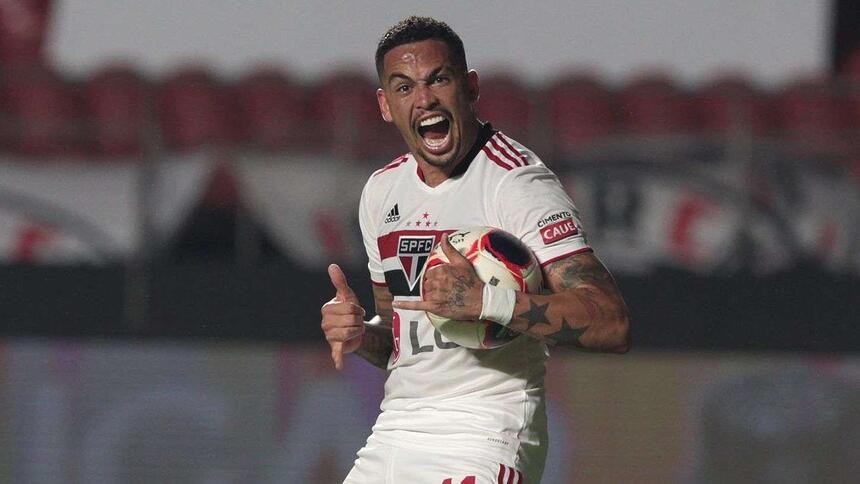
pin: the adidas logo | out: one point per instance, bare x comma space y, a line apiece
393, 214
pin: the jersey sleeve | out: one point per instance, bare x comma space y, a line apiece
532, 204
369, 236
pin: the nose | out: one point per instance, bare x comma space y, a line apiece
425, 97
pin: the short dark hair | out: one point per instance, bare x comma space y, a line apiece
415, 29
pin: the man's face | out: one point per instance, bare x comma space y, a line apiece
430, 101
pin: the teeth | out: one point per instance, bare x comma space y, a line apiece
435, 143
432, 121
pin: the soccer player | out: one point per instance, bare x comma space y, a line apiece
450, 414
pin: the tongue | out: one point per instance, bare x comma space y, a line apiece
435, 131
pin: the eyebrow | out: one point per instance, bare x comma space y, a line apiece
435, 72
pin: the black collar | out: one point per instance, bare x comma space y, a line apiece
484, 134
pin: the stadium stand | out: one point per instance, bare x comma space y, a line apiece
194, 111
116, 101
507, 102
809, 112
346, 118
730, 103
42, 113
272, 112
578, 111
654, 105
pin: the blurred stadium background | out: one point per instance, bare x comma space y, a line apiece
174, 177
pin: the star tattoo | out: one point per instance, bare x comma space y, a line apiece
568, 334
535, 315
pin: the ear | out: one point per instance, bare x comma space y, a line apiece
383, 105
472, 82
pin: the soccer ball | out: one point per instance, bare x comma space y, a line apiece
500, 259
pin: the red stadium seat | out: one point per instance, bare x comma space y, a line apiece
506, 103
732, 103
194, 111
347, 117
23, 25
579, 112
116, 104
272, 112
809, 109
654, 105
42, 113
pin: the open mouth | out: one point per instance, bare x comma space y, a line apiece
435, 131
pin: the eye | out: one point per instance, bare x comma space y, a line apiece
402, 88
440, 79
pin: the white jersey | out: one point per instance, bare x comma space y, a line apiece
439, 394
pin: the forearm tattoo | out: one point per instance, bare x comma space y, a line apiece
535, 315
376, 345
568, 335
586, 317
573, 272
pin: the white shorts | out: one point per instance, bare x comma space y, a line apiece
378, 463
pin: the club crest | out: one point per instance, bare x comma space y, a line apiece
413, 252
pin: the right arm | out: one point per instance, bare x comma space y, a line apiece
344, 326
376, 342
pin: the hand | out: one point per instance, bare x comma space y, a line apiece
342, 318
451, 290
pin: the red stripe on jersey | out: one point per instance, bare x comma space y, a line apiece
393, 164
496, 159
519, 477
506, 141
511, 475
577, 251
501, 479
505, 153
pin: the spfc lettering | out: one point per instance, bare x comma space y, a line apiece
559, 230
413, 251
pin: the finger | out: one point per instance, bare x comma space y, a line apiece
414, 305
342, 335
338, 279
453, 255
339, 308
337, 355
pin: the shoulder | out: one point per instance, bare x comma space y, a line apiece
384, 179
391, 165
509, 161
389, 173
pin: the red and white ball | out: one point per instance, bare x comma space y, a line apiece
499, 259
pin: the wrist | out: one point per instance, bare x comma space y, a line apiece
498, 304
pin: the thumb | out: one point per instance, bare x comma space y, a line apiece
338, 280
454, 256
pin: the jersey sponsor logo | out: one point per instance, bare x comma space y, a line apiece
559, 230
393, 214
554, 218
413, 252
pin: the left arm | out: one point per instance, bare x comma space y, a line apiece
584, 308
